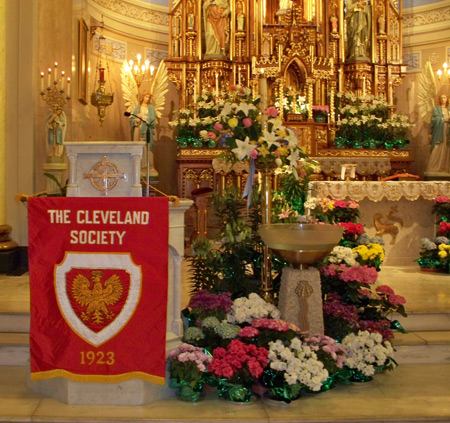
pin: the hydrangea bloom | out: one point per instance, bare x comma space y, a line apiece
244, 310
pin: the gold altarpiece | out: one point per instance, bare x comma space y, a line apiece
304, 44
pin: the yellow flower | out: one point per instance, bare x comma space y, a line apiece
233, 122
443, 254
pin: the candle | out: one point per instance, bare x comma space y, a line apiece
195, 90
353, 172
49, 78
390, 94
263, 95
217, 85
68, 87
42, 82
101, 72
343, 169
239, 76
364, 86
139, 60
339, 81
62, 80
56, 71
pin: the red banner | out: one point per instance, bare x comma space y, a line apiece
98, 281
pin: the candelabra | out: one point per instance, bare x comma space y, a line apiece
53, 95
141, 73
446, 71
100, 98
56, 124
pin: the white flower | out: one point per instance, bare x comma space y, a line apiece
245, 310
243, 148
245, 107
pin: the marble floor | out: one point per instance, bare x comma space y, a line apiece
411, 393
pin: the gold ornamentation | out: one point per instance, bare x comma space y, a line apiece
104, 176
96, 299
387, 228
207, 152
321, 137
346, 152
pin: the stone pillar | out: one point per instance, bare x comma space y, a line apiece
9, 255
301, 299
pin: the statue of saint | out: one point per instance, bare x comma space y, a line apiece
334, 23
439, 162
56, 132
216, 22
283, 7
146, 112
359, 29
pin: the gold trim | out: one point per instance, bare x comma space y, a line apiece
50, 374
200, 152
347, 152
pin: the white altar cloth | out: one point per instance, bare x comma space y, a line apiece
401, 206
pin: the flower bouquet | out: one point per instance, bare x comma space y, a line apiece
235, 368
211, 333
294, 105
187, 368
244, 310
364, 123
441, 207
320, 113
370, 255
332, 355
333, 211
367, 353
292, 368
435, 254
263, 331
205, 304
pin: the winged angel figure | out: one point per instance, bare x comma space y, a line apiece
438, 116
146, 110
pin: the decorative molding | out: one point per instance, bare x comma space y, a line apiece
428, 17
150, 13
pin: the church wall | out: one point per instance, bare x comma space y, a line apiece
21, 96
426, 36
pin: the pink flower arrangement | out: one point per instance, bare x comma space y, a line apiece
209, 301
362, 274
441, 199
239, 362
277, 325
247, 122
352, 228
329, 346
335, 308
248, 332
321, 109
272, 111
218, 126
390, 296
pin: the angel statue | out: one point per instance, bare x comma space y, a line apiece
145, 113
438, 116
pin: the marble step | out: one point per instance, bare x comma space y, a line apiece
419, 321
14, 349
14, 322
422, 347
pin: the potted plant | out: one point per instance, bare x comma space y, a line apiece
187, 368
320, 113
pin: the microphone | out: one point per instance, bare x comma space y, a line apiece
128, 114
